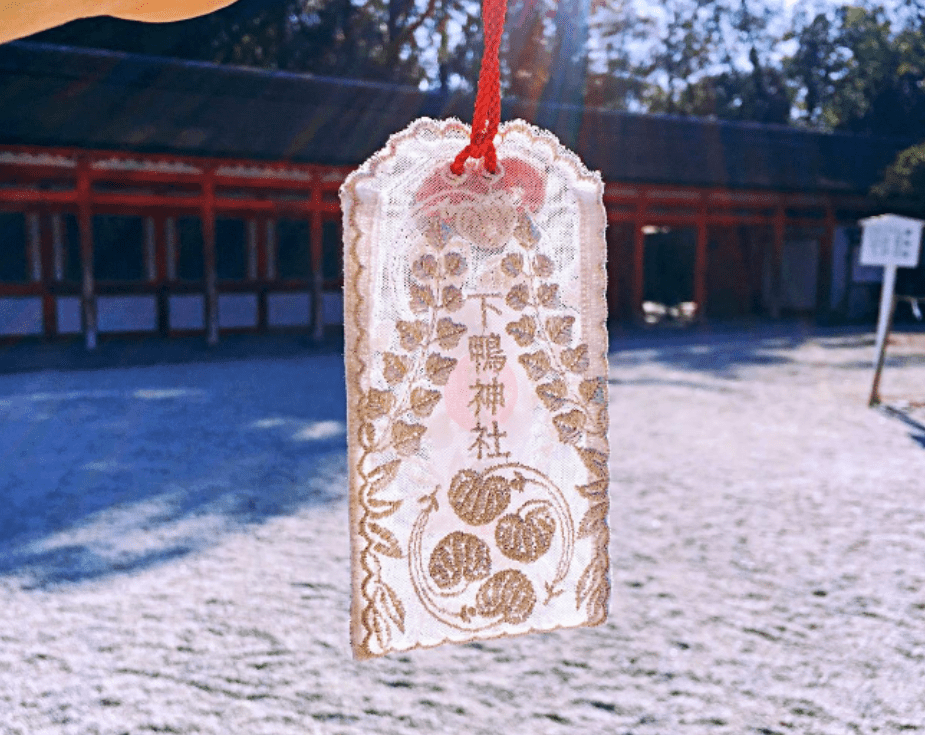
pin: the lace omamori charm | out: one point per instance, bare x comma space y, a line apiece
476, 356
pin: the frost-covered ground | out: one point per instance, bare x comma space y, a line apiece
174, 557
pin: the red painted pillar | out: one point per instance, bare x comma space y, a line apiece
317, 319
208, 256
47, 255
700, 261
85, 224
824, 280
777, 259
639, 256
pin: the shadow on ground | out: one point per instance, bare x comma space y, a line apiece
111, 471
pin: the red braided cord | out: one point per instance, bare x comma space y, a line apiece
487, 114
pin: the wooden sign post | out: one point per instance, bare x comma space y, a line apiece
893, 242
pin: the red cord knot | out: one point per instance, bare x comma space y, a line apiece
487, 113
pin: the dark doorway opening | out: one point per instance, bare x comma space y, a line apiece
668, 274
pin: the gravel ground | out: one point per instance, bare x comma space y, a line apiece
174, 558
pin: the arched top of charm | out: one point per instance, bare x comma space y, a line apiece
522, 149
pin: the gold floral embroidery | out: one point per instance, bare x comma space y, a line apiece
395, 391
459, 556
526, 538
508, 594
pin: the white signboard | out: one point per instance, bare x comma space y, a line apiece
891, 240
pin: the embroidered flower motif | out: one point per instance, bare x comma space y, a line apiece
526, 539
512, 264
523, 330
479, 500
543, 266
507, 594
459, 556
518, 297
452, 298
455, 264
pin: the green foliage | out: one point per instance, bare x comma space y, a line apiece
859, 66
903, 185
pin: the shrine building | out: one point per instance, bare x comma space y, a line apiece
144, 195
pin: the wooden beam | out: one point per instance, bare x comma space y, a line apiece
85, 223
210, 276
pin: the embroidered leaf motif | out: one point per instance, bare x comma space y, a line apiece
452, 298
602, 421
438, 233
570, 426
382, 476
384, 541
392, 605
535, 363
422, 298
523, 330
552, 394
594, 520
559, 329
595, 461
512, 264
518, 297
526, 232
367, 435
449, 333
455, 264
594, 589
423, 401
376, 625
377, 403
426, 267
593, 490
576, 359
548, 295
543, 266
439, 368
412, 333
394, 369
406, 438
594, 390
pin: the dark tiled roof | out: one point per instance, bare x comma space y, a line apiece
52, 95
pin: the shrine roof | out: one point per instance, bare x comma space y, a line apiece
62, 96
